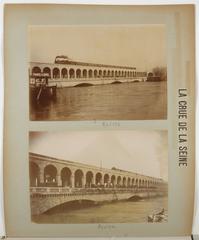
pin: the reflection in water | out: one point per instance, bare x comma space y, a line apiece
126, 101
115, 212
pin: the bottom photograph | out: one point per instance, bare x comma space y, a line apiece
98, 176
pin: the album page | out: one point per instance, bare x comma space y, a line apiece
99, 120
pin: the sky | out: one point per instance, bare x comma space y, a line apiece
140, 46
144, 152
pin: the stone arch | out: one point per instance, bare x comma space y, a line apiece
34, 174
132, 182
150, 74
119, 179
36, 70
56, 73
115, 73
106, 178
100, 73
113, 178
89, 179
78, 73
64, 73
143, 183
128, 182
79, 178
148, 183
112, 73
72, 73
140, 182
66, 177
47, 70
104, 73
84, 73
119, 73
50, 175
136, 182
95, 73
98, 179
90, 73
108, 73
124, 181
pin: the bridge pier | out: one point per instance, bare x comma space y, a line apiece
83, 181
72, 180
41, 175
58, 180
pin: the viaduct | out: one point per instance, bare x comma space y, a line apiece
54, 182
67, 73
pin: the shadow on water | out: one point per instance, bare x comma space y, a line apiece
71, 206
87, 211
134, 199
116, 82
42, 103
83, 204
84, 85
137, 198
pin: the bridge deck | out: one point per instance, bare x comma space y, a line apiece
76, 191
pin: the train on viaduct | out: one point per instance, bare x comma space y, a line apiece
67, 73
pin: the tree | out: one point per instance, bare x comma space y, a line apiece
160, 72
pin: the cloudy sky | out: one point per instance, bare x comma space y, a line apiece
144, 152
141, 46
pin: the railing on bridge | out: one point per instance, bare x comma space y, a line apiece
84, 191
37, 76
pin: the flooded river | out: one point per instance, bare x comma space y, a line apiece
125, 101
117, 212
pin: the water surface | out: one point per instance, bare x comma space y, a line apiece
125, 101
117, 212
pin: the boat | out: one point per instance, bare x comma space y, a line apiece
158, 217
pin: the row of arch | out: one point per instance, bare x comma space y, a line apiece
85, 73
78, 179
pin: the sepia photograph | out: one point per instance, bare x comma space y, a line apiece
98, 72
98, 176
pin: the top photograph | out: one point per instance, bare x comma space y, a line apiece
115, 72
